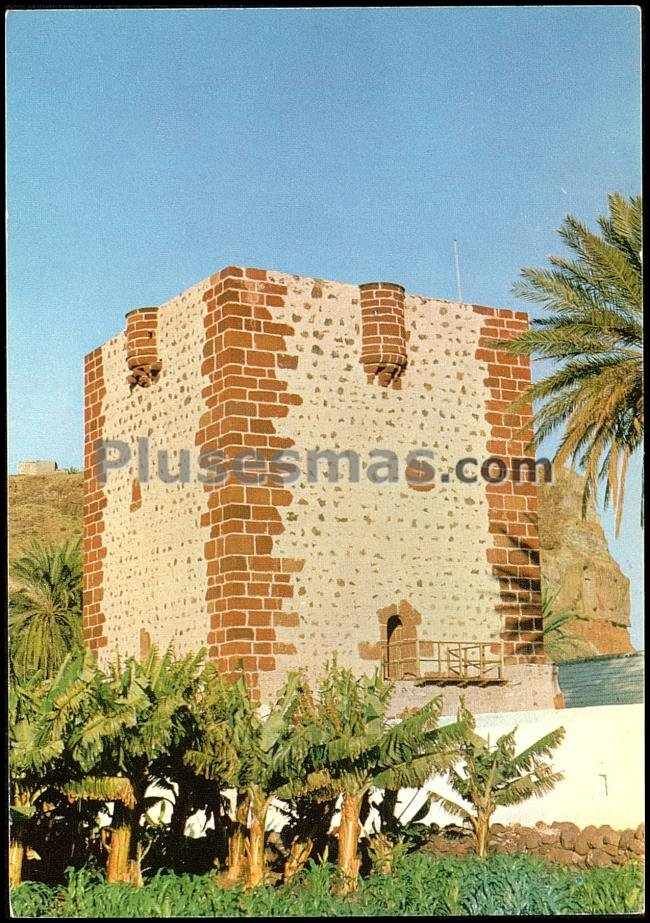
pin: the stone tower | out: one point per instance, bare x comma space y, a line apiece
432, 575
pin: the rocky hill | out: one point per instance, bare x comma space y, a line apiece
576, 562
44, 507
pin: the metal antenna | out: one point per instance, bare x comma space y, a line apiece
460, 294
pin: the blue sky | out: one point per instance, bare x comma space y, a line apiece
147, 149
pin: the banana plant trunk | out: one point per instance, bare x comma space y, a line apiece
16, 856
297, 859
482, 833
255, 846
21, 798
348, 840
237, 844
123, 855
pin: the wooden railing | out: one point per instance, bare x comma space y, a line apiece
444, 662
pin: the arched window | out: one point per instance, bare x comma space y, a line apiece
394, 639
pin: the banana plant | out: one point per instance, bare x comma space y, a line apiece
493, 776
351, 748
254, 754
42, 715
142, 713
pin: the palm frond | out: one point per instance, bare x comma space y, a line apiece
594, 330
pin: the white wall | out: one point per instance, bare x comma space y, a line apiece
601, 757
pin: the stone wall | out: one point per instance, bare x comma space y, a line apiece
246, 395
565, 843
275, 576
528, 687
154, 571
367, 547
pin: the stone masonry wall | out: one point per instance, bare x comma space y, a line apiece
244, 353
561, 842
154, 569
513, 506
365, 546
95, 501
275, 576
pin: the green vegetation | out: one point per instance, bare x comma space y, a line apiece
350, 749
254, 755
137, 717
44, 715
496, 776
421, 885
102, 739
45, 608
594, 329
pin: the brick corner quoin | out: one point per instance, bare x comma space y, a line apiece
512, 506
244, 349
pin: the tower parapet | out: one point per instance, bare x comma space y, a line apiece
142, 347
383, 332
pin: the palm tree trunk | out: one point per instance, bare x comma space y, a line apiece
348, 837
16, 856
237, 844
255, 846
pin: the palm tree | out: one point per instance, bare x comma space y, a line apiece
258, 755
594, 329
497, 776
45, 608
28, 767
351, 748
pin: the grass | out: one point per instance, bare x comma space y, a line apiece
421, 885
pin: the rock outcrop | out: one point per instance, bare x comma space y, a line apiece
576, 563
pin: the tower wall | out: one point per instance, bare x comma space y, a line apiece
274, 575
154, 571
